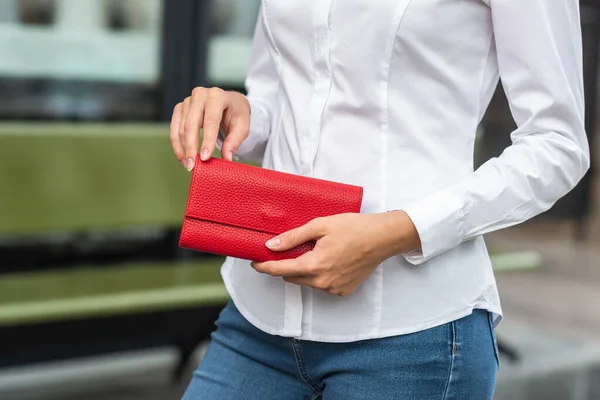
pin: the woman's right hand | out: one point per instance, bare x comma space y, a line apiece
211, 109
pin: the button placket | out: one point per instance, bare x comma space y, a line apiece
321, 84
292, 321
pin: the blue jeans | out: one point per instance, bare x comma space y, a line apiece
456, 361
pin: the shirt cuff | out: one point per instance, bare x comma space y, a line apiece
439, 220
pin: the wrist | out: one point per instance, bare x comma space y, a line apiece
402, 235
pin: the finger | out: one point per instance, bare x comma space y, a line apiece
237, 132
216, 104
320, 283
315, 229
300, 280
314, 281
185, 107
174, 134
193, 122
292, 267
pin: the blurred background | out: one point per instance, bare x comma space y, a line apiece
96, 299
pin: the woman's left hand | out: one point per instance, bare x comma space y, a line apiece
348, 249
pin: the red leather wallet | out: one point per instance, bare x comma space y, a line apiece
234, 208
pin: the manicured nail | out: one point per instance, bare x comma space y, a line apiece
184, 163
190, 164
273, 243
205, 154
230, 155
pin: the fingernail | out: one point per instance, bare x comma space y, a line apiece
230, 155
273, 243
184, 163
190, 164
205, 154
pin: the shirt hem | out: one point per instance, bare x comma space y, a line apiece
246, 313
379, 334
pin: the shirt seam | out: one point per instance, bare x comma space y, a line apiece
327, 98
276, 128
483, 75
384, 139
385, 104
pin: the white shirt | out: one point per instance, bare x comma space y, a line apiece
388, 95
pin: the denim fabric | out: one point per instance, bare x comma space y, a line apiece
457, 361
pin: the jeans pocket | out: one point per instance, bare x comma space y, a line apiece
494, 339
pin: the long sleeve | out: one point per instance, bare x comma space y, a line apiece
262, 83
539, 51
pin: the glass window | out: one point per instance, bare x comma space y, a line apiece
80, 60
233, 24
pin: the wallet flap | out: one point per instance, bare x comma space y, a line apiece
264, 200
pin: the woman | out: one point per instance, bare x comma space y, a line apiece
399, 301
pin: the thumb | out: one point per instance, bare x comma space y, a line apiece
295, 237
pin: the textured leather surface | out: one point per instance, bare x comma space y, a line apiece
233, 208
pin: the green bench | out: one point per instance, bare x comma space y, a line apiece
57, 178
90, 177
44, 297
